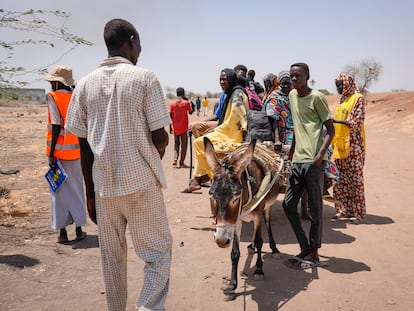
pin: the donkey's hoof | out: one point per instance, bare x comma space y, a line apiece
258, 277
230, 296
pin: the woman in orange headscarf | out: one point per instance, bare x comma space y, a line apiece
349, 150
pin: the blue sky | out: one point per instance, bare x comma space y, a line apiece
187, 43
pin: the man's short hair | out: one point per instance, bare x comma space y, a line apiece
240, 67
118, 31
180, 91
303, 66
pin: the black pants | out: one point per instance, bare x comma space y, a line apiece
182, 140
310, 177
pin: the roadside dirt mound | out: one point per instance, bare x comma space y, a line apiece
387, 111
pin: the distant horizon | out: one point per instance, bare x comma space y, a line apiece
203, 94
187, 43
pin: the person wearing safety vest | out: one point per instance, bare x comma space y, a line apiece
349, 150
68, 202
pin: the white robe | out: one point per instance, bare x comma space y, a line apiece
68, 203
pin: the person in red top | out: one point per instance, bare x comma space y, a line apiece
179, 110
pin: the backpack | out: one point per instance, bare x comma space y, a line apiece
259, 126
255, 102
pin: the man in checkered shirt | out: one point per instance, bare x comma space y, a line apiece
119, 113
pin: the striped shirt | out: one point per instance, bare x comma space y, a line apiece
116, 107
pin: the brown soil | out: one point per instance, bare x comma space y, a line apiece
370, 262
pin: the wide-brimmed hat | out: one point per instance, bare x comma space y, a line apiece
62, 74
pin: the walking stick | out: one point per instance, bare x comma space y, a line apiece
190, 133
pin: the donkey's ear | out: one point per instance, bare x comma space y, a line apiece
241, 164
210, 154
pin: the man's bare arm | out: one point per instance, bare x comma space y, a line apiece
87, 159
160, 139
327, 139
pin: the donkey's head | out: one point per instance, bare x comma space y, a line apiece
226, 189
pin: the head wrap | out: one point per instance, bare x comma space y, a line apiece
233, 81
348, 83
271, 83
283, 74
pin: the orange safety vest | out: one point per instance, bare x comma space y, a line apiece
67, 144
340, 141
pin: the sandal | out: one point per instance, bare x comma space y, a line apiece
302, 264
298, 257
191, 189
339, 216
354, 220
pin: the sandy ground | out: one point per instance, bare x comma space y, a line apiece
370, 262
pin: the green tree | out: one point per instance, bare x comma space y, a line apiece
50, 26
365, 73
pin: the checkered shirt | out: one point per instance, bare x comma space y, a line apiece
116, 107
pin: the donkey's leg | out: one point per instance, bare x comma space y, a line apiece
267, 215
230, 291
258, 243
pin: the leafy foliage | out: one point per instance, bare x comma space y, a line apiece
48, 25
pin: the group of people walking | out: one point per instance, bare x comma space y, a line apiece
110, 129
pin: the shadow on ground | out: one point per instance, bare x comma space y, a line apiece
18, 261
282, 283
91, 241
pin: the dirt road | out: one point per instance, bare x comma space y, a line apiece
370, 262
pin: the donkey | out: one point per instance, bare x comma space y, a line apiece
237, 178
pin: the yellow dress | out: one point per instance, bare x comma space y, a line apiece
227, 135
341, 140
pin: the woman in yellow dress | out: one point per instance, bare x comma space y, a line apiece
230, 131
349, 150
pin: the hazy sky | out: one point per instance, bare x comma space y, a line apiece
187, 43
